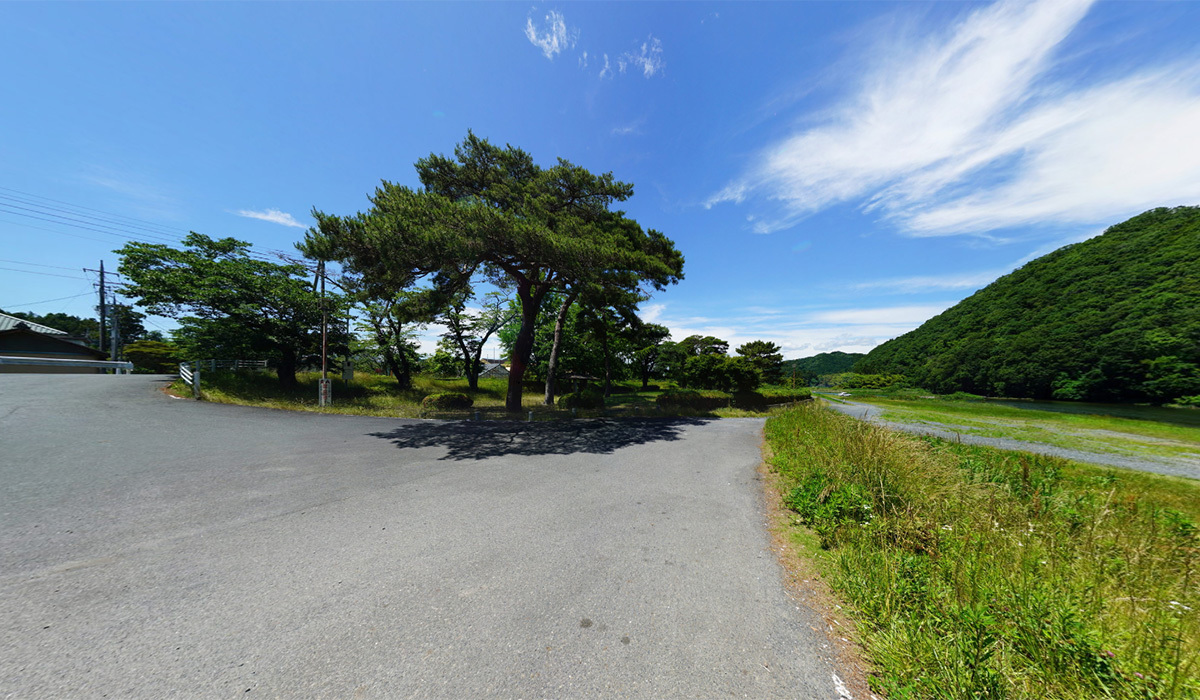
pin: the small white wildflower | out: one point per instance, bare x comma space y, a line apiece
947, 528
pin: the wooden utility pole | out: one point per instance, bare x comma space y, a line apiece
103, 308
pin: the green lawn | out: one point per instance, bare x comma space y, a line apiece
375, 395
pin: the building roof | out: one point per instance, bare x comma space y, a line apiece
7, 323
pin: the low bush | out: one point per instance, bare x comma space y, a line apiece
693, 399
587, 398
446, 401
961, 396
781, 394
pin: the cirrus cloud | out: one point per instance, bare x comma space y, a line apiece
972, 131
273, 215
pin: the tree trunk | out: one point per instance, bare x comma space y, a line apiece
523, 347
470, 366
607, 365
286, 370
557, 345
399, 368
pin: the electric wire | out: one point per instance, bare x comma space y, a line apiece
22, 262
45, 274
47, 301
110, 224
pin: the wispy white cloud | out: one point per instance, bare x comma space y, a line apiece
631, 129
583, 60
648, 58
555, 37
928, 283
969, 132
273, 215
606, 71
801, 332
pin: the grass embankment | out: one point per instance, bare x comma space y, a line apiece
1089, 433
980, 573
375, 395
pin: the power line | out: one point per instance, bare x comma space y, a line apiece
110, 224
22, 262
47, 301
44, 274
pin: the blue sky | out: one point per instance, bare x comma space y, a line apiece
834, 173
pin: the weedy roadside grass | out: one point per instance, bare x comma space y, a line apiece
1089, 433
982, 573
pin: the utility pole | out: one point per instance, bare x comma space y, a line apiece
323, 393
116, 330
103, 308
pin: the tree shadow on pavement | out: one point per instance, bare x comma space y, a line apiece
470, 440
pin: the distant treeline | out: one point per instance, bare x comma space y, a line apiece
809, 370
1114, 318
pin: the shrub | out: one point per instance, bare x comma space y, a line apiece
445, 401
154, 356
961, 396
721, 373
587, 398
779, 394
695, 400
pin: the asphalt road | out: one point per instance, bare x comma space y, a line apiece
153, 547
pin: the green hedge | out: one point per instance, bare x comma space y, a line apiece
696, 400
446, 401
588, 398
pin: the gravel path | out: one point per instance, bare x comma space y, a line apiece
1172, 467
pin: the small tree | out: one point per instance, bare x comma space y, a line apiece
217, 283
154, 356
766, 357
468, 332
494, 210
648, 341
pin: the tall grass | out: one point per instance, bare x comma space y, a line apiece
980, 573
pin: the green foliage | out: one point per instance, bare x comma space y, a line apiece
979, 573
693, 399
494, 211
853, 380
730, 374
783, 394
446, 401
808, 369
266, 308
154, 356
585, 398
766, 357
1114, 318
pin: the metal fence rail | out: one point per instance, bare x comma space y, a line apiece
120, 367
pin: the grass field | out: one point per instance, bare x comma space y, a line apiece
375, 395
1089, 433
981, 573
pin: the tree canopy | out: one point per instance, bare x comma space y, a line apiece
492, 212
1114, 318
225, 297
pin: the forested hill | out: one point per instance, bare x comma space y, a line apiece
825, 363
1114, 318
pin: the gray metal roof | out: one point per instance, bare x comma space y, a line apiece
7, 323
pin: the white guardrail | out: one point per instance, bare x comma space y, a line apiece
120, 367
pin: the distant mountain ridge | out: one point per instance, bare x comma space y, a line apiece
809, 368
1113, 318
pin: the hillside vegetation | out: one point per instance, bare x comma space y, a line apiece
824, 363
1114, 318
